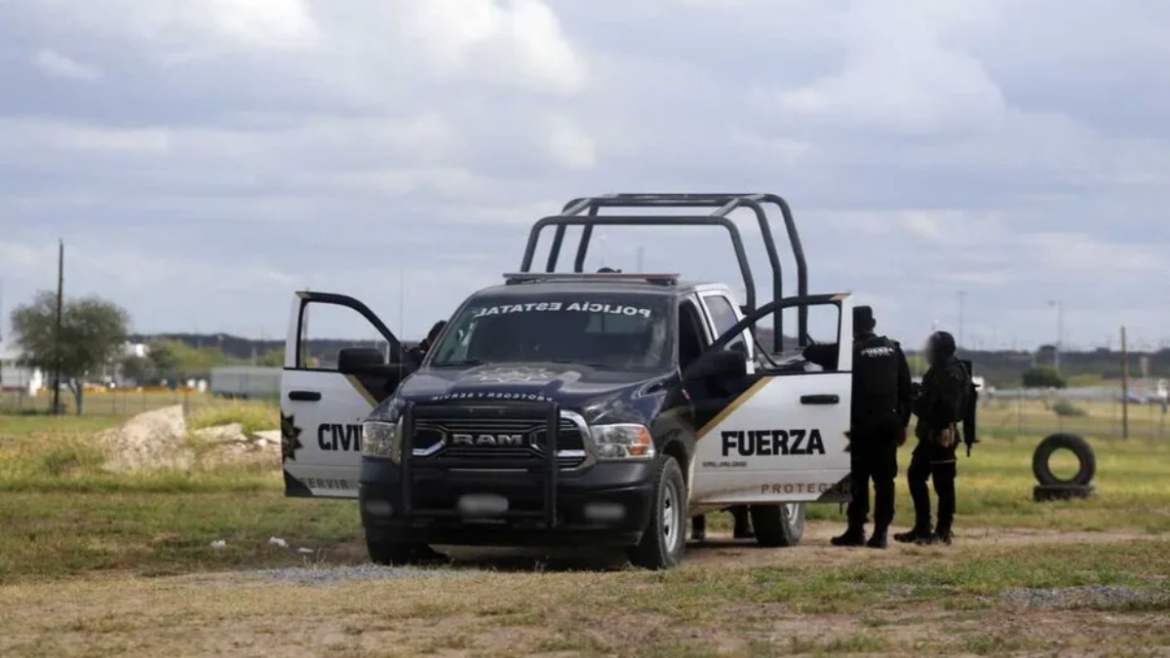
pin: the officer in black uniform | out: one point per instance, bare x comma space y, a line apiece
418, 352
742, 528
940, 405
880, 414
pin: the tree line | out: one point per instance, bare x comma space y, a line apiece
89, 344
94, 331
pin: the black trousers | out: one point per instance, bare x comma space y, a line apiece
931, 462
873, 456
738, 512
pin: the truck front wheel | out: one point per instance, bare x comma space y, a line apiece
663, 541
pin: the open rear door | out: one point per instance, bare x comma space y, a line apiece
332, 379
777, 435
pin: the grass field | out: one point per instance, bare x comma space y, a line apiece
83, 554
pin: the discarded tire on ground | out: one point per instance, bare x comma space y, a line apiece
1054, 488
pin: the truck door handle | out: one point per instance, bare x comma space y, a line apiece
304, 396
824, 398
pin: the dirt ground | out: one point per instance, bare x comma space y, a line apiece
508, 603
813, 550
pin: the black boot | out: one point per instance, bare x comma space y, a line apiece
942, 537
915, 534
699, 529
854, 536
878, 540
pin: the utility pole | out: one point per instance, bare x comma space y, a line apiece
962, 294
641, 258
1059, 333
401, 314
57, 329
1, 334
1124, 386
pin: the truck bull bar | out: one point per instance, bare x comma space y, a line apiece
544, 470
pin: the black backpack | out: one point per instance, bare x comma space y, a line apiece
970, 404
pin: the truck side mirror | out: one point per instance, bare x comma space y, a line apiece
718, 363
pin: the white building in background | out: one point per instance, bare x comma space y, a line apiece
139, 350
14, 377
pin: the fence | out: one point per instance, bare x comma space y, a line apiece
1014, 413
110, 402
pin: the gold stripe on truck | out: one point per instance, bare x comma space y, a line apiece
362, 390
732, 406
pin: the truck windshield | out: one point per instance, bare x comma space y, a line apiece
601, 331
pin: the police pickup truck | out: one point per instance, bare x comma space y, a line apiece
579, 409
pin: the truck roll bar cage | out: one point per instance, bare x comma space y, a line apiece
724, 204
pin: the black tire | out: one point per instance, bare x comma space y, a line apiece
395, 554
1079, 447
778, 525
1042, 493
664, 539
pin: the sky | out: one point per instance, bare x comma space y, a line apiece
998, 161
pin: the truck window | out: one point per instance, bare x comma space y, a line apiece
724, 317
691, 339
605, 331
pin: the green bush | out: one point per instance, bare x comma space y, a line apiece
1068, 409
1042, 377
253, 416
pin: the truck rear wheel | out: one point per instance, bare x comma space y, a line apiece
664, 539
778, 525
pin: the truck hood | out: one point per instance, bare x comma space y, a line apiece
600, 395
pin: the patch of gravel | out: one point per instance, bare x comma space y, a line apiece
345, 574
1085, 596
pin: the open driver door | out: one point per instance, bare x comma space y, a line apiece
325, 397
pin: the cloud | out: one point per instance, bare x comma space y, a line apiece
224, 153
56, 65
922, 224
516, 42
899, 74
569, 145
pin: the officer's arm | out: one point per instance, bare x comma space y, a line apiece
920, 405
824, 355
905, 396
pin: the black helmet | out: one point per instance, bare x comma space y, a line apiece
942, 345
863, 319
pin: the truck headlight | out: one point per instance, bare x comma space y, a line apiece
622, 441
382, 439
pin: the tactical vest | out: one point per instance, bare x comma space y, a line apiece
875, 376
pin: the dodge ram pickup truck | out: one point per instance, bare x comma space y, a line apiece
573, 408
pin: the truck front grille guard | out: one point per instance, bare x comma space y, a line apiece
545, 468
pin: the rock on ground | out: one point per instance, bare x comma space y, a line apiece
155, 439
160, 439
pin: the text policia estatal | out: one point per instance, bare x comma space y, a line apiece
582, 307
